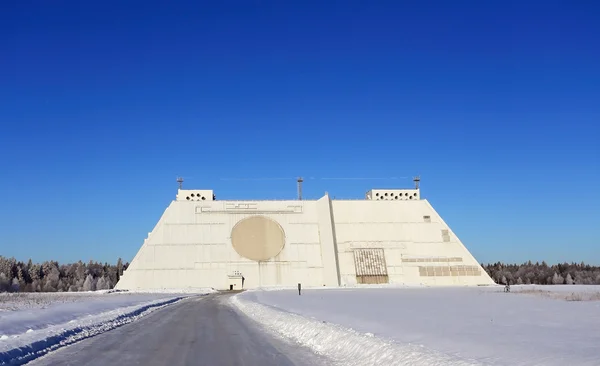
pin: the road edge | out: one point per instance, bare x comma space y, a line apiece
26, 353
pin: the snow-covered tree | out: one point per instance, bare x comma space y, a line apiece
34, 272
569, 280
557, 279
36, 286
102, 284
15, 285
4, 282
119, 266
6, 266
80, 272
79, 284
519, 281
89, 284
51, 279
21, 275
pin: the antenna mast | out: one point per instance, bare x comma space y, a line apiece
180, 181
417, 179
300, 180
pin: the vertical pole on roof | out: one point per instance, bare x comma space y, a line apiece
300, 180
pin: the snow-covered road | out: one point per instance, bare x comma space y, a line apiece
194, 331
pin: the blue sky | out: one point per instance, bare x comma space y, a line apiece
495, 104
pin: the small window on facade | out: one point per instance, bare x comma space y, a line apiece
445, 235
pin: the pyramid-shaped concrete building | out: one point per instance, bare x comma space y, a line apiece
392, 236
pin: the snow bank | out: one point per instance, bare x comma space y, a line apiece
56, 311
343, 346
28, 334
184, 290
483, 324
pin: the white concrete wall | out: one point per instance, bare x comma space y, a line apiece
329, 251
191, 245
402, 229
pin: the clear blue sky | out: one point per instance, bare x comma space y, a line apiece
495, 104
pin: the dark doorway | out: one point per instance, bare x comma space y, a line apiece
230, 287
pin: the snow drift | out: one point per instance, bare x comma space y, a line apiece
344, 346
471, 324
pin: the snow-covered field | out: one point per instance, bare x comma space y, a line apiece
22, 301
34, 324
569, 293
532, 325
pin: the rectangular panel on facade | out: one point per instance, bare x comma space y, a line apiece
445, 235
370, 266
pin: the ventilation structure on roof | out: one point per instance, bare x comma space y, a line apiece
393, 195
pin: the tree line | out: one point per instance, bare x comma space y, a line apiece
543, 274
50, 276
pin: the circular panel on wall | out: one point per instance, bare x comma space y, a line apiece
258, 238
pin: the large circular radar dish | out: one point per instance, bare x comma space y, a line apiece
257, 238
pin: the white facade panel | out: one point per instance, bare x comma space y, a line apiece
191, 245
